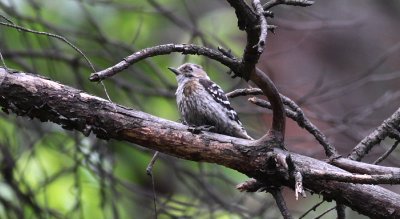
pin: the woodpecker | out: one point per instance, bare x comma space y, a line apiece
202, 102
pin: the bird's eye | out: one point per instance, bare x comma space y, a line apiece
189, 69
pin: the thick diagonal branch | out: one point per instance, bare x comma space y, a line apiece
36, 97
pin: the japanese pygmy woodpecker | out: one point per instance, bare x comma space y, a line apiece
202, 102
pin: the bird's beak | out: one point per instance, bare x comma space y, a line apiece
174, 70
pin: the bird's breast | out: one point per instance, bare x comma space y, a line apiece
190, 88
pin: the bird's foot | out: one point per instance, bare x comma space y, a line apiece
199, 129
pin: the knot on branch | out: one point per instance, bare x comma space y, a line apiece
393, 131
278, 169
251, 185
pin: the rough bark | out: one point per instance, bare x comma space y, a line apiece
36, 97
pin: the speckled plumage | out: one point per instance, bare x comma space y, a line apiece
202, 102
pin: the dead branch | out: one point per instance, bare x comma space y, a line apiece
165, 49
363, 168
296, 114
389, 128
36, 97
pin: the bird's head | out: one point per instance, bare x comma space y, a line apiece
189, 70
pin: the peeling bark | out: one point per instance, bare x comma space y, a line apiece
37, 97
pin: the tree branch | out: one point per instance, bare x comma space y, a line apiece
356, 178
272, 3
165, 49
341, 211
36, 97
262, 25
280, 202
297, 115
255, 25
277, 131
389, 128
363, 168
387, 153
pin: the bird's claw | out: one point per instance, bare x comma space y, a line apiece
199, 129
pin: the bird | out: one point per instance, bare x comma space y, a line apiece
202, 103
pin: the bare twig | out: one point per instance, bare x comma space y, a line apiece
251, 185
2, 62
263, 25
53, 36
339, 88
149, 169
313, 208
6, 19
164, 50
325, 212
172, 17
302, 3
305, 123
280, 202
297, 115
387, 153
244, 92
389, 128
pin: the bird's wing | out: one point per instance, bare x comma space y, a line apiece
219, 96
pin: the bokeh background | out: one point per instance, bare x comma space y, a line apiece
339, 60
